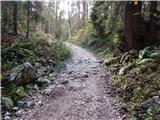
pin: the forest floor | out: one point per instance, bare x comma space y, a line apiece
82, 91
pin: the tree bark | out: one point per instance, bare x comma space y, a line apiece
15, 18
152, 22
69, 23
28, 18
85, 12
79, 12
134, 26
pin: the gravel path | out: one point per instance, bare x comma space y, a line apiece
82, 91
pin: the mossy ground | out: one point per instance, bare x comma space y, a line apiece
29, 50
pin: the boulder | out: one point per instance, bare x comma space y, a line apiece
21, 74
152, 104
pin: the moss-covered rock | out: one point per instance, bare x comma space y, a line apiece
21, 74
6, 103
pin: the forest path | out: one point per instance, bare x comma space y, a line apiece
82, 91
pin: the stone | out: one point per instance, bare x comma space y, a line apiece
41, 60
20, 103
30, 104
6, 103
112, 61
85, 75
15, 108
152, 104
124, 69
21, 74
7, 118
63, 81
42, 81
37, 65
52, 63
40, 72
48, 90
19, 113
7, 114
133, 51
40, 103
36, 87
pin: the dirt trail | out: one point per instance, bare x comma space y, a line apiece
84, 92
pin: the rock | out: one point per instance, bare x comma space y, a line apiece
7, 118
37, 65
48, 90
133, 51
20, 104
36, 87
21, 74
152, 104
25, 104
52, 63
7, 114
85, 75
30, 104
29, 86
112, 61
15, 108
41, 60
100, 61
63, 81
19, 113
124, 69
42, 81
6, 103
40, 72
39, 103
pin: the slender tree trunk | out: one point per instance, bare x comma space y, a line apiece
15, 18
152, 22
69, 23
28, 19
134, 26
79, 13
85, 12
56, 13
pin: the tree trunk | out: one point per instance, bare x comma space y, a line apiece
56, 19
69, 23
15, 18
85, 12
134, 26
28, 18
152, 22
79, 12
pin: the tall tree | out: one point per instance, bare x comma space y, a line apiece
134, 25
28, 18
85, 11
69, 21
15, 18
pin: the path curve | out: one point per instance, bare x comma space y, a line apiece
84, 92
